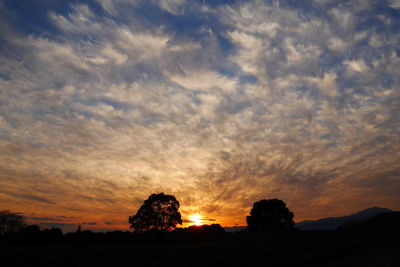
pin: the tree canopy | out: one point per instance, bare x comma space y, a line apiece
270, 215
158, 212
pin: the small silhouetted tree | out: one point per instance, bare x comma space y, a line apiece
270, 215
158, 212
10, 222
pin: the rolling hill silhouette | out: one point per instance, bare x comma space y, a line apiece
332, 223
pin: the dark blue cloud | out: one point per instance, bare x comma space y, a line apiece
44, 219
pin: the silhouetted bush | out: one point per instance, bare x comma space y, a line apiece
29, 234
200, 233
52, 235
10, 223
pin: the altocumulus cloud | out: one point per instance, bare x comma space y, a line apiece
219, 103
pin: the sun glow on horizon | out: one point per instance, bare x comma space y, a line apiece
196, 219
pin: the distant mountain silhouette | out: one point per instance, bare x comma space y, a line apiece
332, 223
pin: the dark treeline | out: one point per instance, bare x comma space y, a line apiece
384, 227
352, 245
32, 234
271, 239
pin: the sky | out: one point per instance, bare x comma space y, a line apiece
219, 103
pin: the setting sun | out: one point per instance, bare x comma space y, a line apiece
196, 219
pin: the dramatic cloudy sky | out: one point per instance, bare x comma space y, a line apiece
220, 103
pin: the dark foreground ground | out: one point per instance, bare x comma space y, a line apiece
319, 248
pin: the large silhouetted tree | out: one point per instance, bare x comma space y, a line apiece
159, 212
270, 215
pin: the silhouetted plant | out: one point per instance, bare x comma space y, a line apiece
205, 232
270, 215
10, 222
158, 212
52, 235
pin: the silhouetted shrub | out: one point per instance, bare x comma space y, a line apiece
10, 223
29, 234
52, 235
197, 233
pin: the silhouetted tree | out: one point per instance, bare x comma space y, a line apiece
158, 212
10, 222
270, 215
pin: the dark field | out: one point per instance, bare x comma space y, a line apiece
299, 248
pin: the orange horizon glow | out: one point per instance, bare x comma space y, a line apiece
72, 221
196, 219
